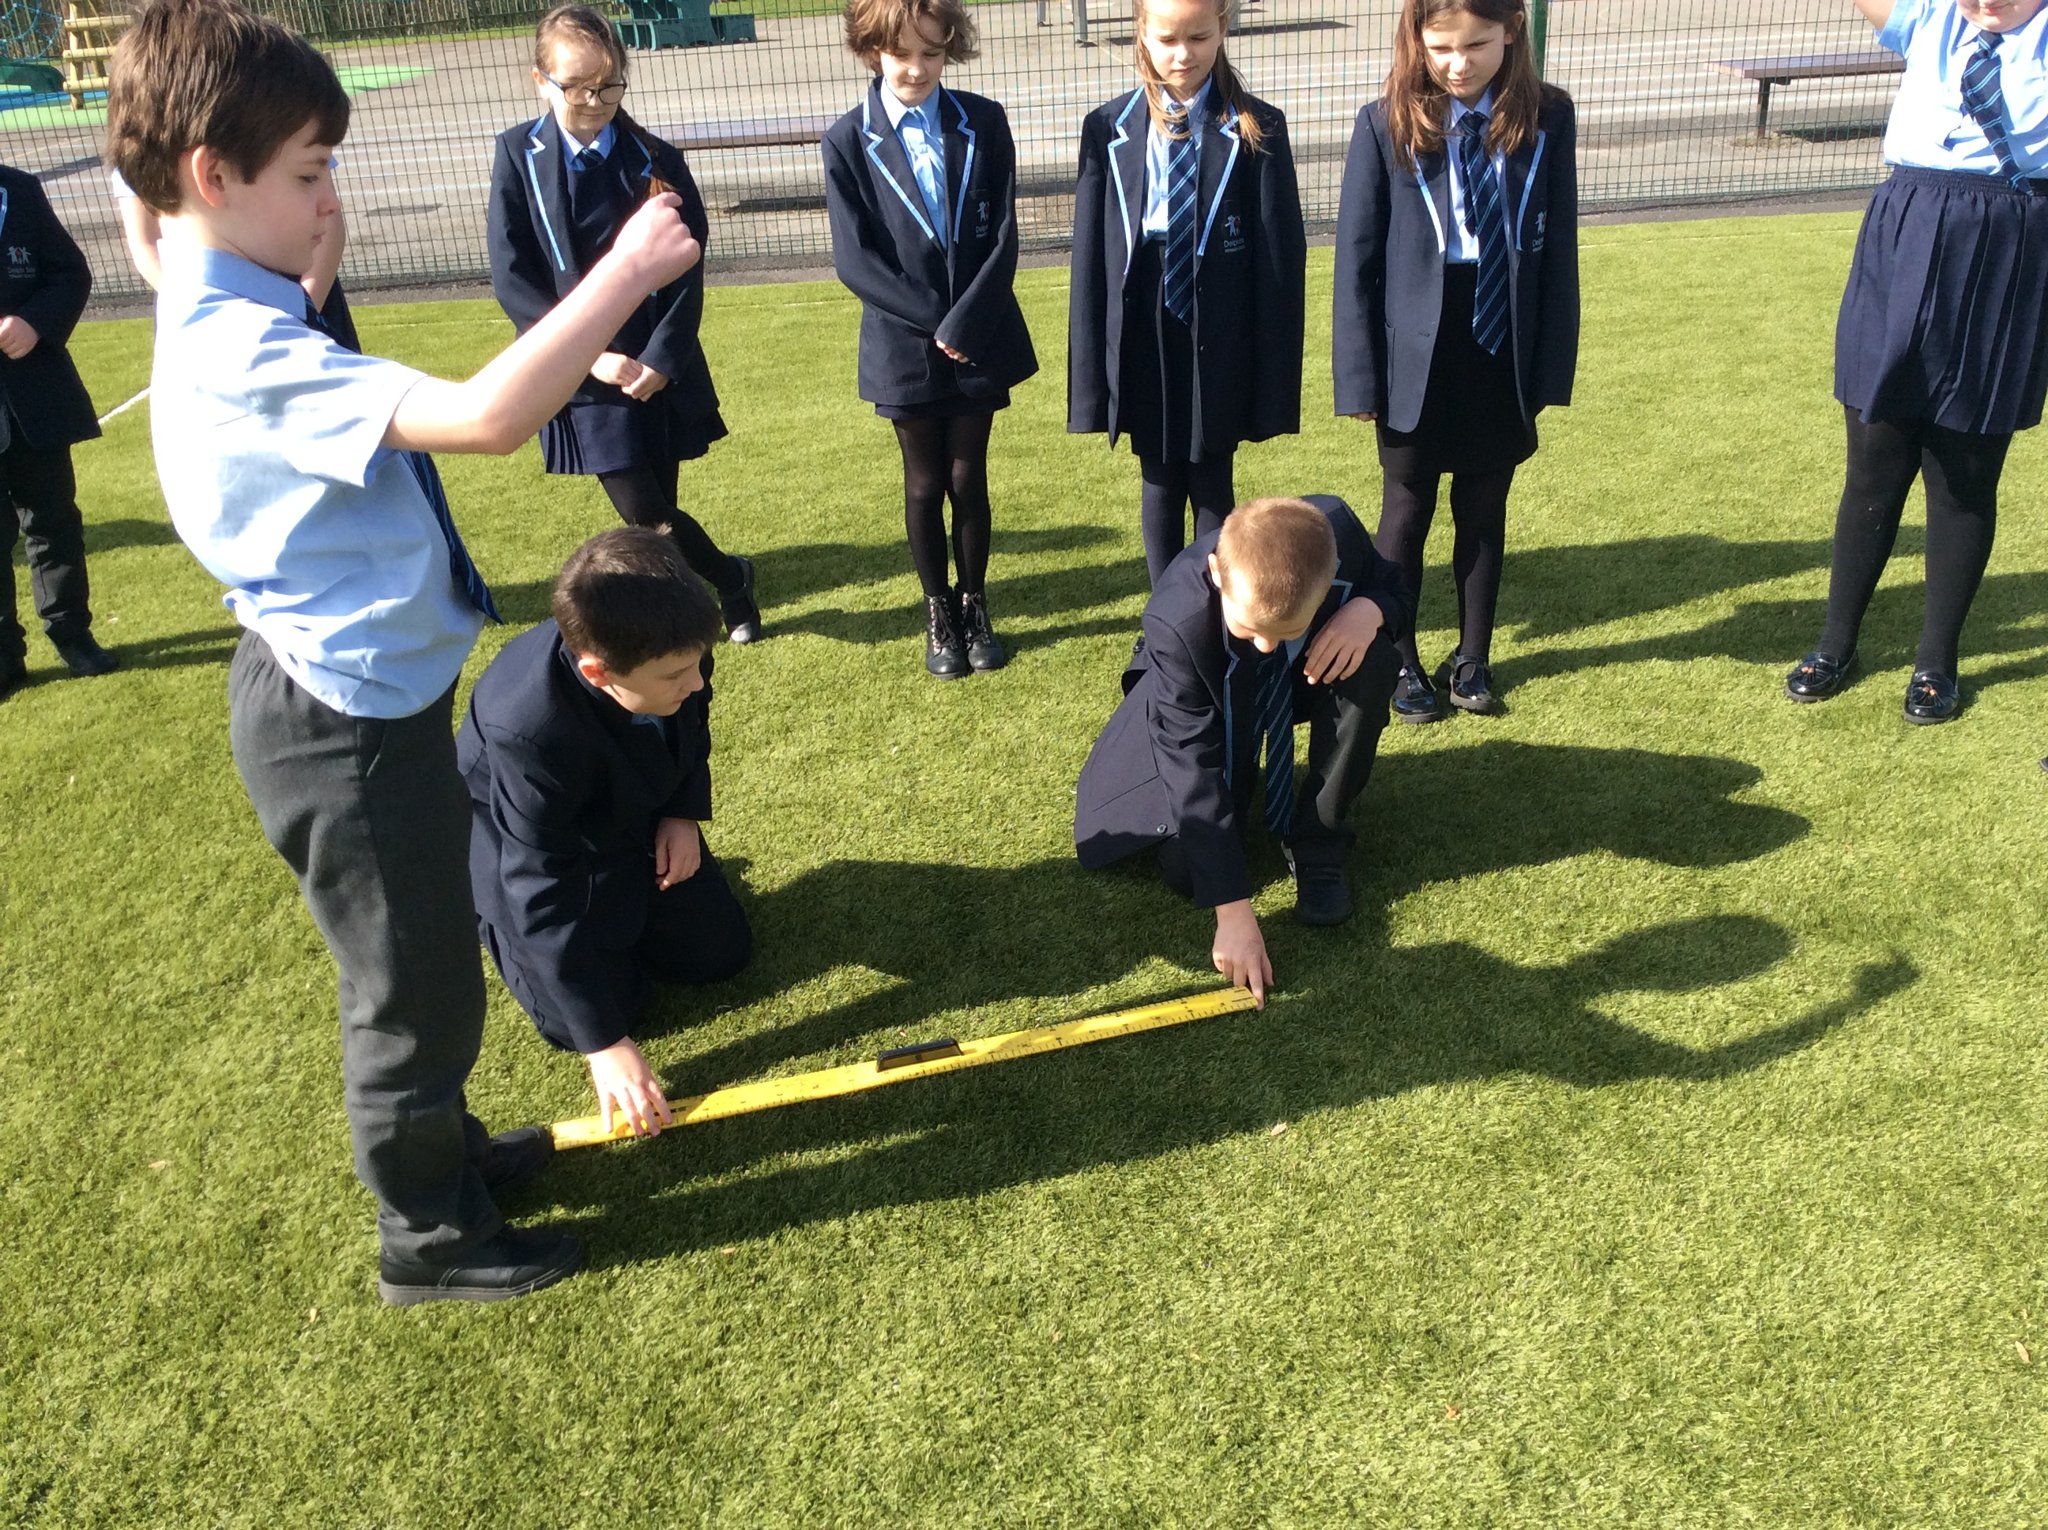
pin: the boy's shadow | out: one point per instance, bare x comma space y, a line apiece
959, 937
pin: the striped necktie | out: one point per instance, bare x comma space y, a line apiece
1183, 169
1482, 208
927, 163
1275, 699
1984, 100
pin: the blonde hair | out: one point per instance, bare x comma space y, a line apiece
1284, 555
1223, 81
584, 24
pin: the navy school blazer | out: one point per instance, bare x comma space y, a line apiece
45, 281
565, 789
1180, 753
912, 289
1393, 224
1251, 256
533, 257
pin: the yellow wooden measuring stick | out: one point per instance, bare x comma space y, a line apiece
905, 1063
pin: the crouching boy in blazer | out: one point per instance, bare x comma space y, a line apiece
587, 751
1285, 614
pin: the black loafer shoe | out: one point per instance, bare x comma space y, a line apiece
1818, 676
1415, 698
85, 658
945, 655
518, 1261
1931, 697
1468, 683
13, 672
1322, 895
516, 1158
742, 615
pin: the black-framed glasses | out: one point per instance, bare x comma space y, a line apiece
607, 94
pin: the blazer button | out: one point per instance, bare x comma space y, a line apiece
1161, 829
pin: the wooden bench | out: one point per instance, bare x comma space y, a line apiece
748, 133
1766, 72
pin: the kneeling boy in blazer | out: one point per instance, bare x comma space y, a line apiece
587, 751
1287, 613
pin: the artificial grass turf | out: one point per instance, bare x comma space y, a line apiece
1664, 1140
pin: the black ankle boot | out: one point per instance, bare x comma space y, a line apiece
945, 655
984, 648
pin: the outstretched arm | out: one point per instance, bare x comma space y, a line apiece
1876, 12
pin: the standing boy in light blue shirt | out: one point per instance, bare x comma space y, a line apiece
296, 471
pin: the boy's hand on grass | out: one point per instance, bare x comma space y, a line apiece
1240, 949
1340, 647
678, 851
1365, 417
655, 244
619, 370
648, 383
17, 337
624, 1083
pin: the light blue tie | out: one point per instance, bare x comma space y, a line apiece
1984, 100
928, 164
1275, 698
1183, 170
1482, 206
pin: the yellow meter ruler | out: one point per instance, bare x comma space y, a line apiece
901, 1064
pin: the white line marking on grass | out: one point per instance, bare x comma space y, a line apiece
124, 408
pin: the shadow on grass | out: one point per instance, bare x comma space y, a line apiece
127, 531
1575, 587
1359, 1021
205, 645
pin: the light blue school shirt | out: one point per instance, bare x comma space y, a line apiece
1461, 244
922, 137
269, 447
1929, 127
602, 143
1158, 145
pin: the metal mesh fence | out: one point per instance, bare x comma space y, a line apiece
1666, 115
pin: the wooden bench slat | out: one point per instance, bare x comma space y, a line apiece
749, 133
1809, 66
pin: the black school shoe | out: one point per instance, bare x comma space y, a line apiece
945, 655
1932, 697
13, 672
1819, 675
984, 649
1468, 683
742, 615
1322, 893
517, 1262
516, 1158
1414, 699
85, 658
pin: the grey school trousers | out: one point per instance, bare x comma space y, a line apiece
373, 820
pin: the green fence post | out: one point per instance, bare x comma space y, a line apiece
1539, 27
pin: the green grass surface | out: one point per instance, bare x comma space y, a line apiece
1664, 1140
355, 79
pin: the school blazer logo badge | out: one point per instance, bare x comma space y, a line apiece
981, 218
1233, 233
21, 262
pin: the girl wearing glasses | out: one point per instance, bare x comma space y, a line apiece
561, 189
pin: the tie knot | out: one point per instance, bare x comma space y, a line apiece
1475, 126
588, 159
1989, 41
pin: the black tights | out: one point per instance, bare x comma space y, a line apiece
1479, 514
646, 496
942, 459
1961, 472
1169, 488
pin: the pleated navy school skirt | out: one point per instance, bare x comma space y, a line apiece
612, 434
1157, 391
1471, 409
1946, 314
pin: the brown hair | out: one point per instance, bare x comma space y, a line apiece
1416, 101
212, 74
872, 27
1284, 555
627, 596
584, 24
1224, 85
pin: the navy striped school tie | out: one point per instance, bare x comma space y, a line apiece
1482, 207
1984, 100
1183, 168
1275, 698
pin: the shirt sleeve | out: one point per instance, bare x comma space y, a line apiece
324, 408
1904, 24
